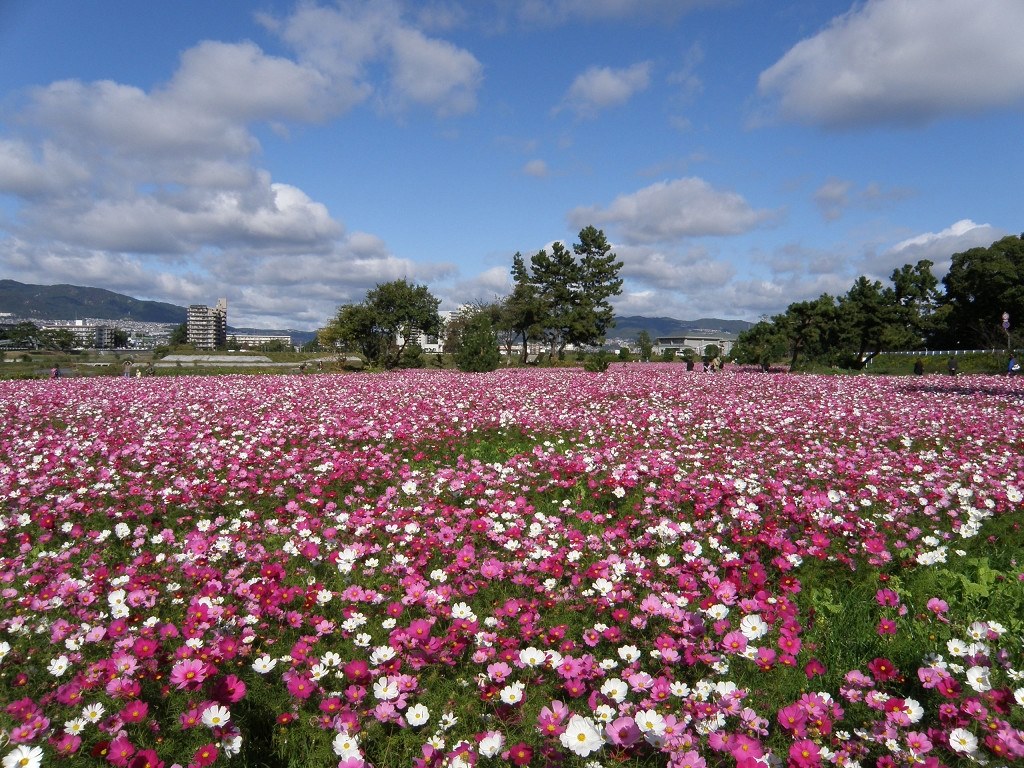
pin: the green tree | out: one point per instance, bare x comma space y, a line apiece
523, 312
981, 284
179, 336
24, 334
808, 328
385, 323
870, 318
646, 345
570, 291
919, 299
119, 338
762, 344
478, 350
62, 339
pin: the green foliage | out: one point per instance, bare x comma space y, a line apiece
597, 363
384, 324
411, 356
646, 345
478, 350
981, 284
563, 297
62, 339
763, 344
179, 336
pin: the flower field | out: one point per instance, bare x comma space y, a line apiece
645, 567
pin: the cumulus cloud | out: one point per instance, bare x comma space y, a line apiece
350, 43
121, 186
937, 247
902, 62
669, 210
693, 272
603, 87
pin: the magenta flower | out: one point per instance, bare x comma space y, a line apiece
188, 674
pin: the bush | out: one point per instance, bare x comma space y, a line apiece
597, 363
479, 349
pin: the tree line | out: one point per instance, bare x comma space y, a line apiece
559, 297
914, 311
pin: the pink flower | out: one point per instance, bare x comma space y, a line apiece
623, 732
804, 754
188, 674
886, 627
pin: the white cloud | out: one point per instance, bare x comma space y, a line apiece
28, 172
240, 82
560, 11
669, 210
347, 41
119, 186
832, 198
434, 73
904, 62
536, 168
937, 247
693, 272
603, 87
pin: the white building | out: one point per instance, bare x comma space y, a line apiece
208, 326
696, 342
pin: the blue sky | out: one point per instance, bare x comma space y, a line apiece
739, 154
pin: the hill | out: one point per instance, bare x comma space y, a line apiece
73, 302
628, 327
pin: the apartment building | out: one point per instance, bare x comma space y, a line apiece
208, 326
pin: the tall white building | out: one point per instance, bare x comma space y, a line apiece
208, 326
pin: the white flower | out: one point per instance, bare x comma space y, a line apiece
531, 657
346, 745
491, 744
385, 689
216, 716
58, 666
417, 715
24, 756
1018, 696
231, 745
956, 647
962, 740
978, 630
5, 648
717, 612
977, 678
512, 693
650, 721
75, 725
629, 653
615, 689
264, 664
913, 709
581, 736
93, 712
753, 627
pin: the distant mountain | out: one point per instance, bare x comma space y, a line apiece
74, 302
628, 327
